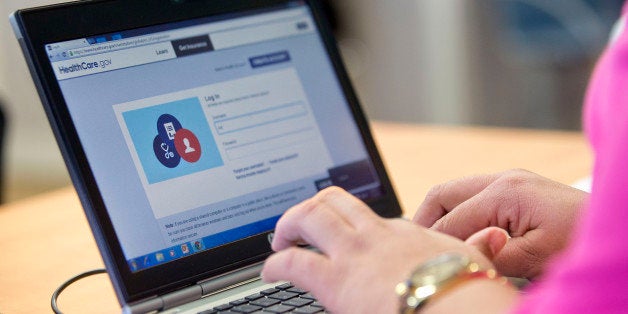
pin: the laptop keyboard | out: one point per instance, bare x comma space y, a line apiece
284, 298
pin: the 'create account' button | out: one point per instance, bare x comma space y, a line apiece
268, 59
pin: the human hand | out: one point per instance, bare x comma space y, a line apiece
539, 214
362, 256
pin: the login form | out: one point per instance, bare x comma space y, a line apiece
224, 140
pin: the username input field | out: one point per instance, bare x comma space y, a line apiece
261, 118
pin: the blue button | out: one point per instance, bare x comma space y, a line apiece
269, 59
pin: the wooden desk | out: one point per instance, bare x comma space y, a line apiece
45, 240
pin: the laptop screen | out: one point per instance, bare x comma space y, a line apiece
202, 133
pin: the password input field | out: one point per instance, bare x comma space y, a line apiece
269, 144
260, 118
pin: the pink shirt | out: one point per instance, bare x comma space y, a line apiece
592, 275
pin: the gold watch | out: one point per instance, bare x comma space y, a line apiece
436, 276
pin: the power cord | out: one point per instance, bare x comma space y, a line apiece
55, 295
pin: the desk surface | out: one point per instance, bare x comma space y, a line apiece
45, 239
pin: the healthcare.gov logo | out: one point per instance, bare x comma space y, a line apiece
172, 139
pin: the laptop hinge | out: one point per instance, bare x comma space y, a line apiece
193, 293
165, 301
216, 284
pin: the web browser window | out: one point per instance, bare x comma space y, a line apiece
204, 133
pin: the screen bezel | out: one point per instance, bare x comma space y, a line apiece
82, 19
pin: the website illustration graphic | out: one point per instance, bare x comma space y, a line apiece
172, 139
173, 142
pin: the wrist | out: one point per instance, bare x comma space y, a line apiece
439, 277
476, 296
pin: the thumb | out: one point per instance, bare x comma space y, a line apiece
489, 241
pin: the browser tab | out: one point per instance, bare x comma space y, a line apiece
193, 45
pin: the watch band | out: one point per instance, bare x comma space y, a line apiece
424, 284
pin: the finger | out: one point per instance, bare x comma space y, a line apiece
291, 265
314, 223
444, 197
352, 209
486, 209
521, 257
489, 241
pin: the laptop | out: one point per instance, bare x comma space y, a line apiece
188, 128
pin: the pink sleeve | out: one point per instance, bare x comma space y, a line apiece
592, 275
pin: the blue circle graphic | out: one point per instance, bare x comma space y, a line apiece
165, 152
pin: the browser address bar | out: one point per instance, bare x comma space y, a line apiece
253, 34
117, 45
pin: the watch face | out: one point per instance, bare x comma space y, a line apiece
426, 279
440, 269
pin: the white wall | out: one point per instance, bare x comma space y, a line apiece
444, 51
32, 161
411, 57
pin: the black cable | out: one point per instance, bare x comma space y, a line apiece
55, 295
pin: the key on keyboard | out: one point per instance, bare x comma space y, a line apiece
284, 298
